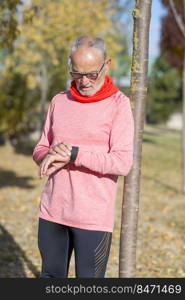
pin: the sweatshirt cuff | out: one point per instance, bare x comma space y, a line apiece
74, 153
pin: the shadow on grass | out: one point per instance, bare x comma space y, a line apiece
25, 148
148, 136
148, 140
13, 258
167, 186
10, 178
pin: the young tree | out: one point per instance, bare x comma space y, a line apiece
128, 238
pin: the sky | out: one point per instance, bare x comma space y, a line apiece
157, 12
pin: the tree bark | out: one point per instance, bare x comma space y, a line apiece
130, 203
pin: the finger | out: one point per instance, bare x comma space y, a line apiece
62, 157
58, 164
41, 170
46, 167
41, 167
57, 149
51, 170
52, 151
47, 162
61, 149
68, 146
40, 174
54, 167
51, 159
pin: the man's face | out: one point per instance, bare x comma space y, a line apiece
88, 60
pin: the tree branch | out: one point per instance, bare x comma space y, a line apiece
178, 18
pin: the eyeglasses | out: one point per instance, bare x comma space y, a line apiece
91, 76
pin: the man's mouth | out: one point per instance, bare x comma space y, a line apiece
84, 87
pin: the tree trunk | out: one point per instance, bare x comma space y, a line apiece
130, 203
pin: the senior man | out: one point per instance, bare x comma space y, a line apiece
86, 143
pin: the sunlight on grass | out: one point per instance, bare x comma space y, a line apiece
161, 241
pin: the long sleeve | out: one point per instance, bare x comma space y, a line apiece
42, 147
120, 158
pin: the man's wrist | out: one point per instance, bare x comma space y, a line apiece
74, 153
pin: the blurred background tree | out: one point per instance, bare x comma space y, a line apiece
165, 80
173, 48
8, 22
39, 60
165, 87
172, 40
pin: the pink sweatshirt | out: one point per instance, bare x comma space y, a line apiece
82, 194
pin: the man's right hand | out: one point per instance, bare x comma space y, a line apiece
54, 167
52, 162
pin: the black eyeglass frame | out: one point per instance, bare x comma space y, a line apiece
88, 75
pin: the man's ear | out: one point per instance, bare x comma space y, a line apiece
108, 60
108, 63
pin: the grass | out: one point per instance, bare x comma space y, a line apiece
161, 241
161, 226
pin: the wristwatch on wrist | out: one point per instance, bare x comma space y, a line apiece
74, 153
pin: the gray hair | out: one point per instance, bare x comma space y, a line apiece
90, 42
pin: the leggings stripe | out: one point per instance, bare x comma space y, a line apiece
101, 254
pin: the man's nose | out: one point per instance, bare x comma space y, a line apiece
84, 79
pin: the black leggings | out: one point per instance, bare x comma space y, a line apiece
56, 243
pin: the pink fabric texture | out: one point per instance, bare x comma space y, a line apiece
82, 194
